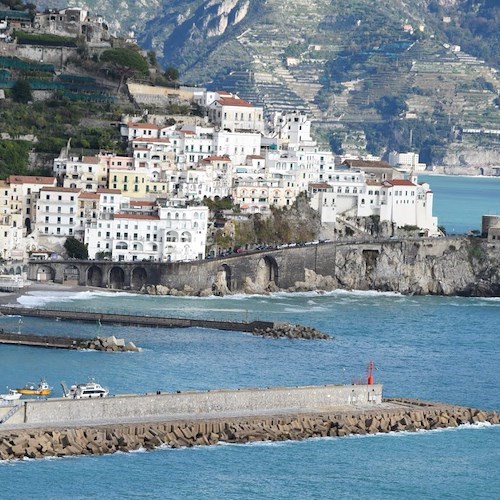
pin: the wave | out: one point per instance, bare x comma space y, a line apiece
40, 298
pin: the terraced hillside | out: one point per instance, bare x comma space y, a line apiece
336, 59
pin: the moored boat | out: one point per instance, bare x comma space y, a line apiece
12, 395
40, 389
83, 391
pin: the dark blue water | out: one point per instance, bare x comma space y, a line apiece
436, 348
459, 202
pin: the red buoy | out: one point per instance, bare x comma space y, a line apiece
370, 373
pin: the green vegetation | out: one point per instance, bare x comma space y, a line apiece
125, 62
171, 74
76, 249
44, 39
218, 203
21, 91
13, 158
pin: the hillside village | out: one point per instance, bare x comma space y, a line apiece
152, 201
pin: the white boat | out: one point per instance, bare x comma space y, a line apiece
12, 282
83, 391
12, 395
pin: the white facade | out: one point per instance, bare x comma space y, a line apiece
233, 114
406, 161
165, 234
402, 202
57, 213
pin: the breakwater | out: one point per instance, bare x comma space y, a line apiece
61, 426
395, 416
58, 342
263, 328
128, 319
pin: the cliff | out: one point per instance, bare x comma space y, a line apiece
448, 266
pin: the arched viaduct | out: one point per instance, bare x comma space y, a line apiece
284, 267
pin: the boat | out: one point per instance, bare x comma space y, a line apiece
83, 391
12, 282
12, 395
40, 389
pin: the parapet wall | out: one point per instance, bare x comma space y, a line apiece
209, 403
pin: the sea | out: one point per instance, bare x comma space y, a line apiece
434, 348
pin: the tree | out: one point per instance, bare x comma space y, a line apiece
76, 249
21, 91
390, 106
171, 74
125, 62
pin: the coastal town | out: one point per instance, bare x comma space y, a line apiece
152, 201
149, 204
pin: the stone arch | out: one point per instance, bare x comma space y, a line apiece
116, 277
71, 273
139, 278
45, 273
222, 284
267, 272
19, 269
94, 276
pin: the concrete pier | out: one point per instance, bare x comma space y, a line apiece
55, 342
127, 319
61, 427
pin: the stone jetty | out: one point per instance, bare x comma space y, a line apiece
111, 343
287, 330
263, 328
95, 440
62, 426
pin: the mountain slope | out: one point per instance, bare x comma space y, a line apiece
342, 61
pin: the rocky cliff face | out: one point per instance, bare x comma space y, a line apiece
458, 266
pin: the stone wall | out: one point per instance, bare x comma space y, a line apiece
441, 266
415, 416
210, 403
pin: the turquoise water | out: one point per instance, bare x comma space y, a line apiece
435, 348
459, 202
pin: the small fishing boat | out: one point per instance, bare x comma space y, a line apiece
82, 391
12, 395
40, 389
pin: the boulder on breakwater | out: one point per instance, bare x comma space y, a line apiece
110, 344
289, 331
38, 443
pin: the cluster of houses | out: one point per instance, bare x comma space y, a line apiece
148, 204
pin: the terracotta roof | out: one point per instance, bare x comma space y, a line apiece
142, 203
60, 189
255, 157
90, 159
150, 140
88, 196
400, 182
231, 101
30, 179
216, 158
143, 125
320, 185
367, 163
111, 191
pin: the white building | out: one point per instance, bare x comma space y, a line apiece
401, 202
233, 114
57, 216
166, 233
406, 161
